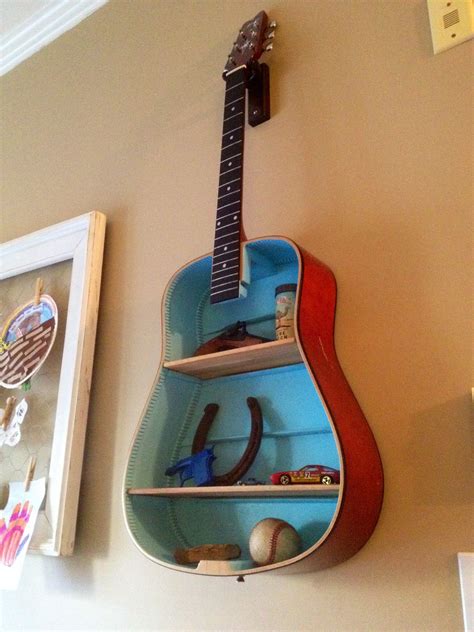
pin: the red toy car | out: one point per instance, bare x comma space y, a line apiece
307, 474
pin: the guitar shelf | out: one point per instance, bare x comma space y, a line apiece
297, 430
309, 414
265, 355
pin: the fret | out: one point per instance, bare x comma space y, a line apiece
229, 200
230, 182
223, 247
233, 105
227, 260
232, 218
227, 147
225, 264
228, 162
216, 284
235, 232
222, 285
218, 265
219, 277
229, 124
220, 226
224, 295
234, 146
227, 177
226, 250
227, 216
229, 170
233, 132
227, 225
229, 204
226, 273
224, 254
229, 221
226, 194
228, 187
232, 137
232, 116
223, 222
230, 150
234, 101
229, 157
229, 233
229, 285
225, 269
236, 86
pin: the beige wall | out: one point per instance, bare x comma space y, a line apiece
366, 164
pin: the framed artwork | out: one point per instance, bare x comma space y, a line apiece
53, 383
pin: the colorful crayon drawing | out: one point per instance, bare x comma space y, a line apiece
17, 523
12, 538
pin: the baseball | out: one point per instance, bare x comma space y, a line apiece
273, 540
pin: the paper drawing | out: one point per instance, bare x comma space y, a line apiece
11, 435
17, 523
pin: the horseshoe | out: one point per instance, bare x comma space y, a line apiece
253, 445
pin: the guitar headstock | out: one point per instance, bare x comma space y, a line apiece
254, 38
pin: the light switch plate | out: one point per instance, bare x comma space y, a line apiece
451, 21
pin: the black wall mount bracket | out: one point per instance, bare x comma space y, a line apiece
259, 94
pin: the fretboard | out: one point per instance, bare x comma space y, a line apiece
225, 280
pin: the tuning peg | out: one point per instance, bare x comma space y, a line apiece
270, 31
272, 25
269, 46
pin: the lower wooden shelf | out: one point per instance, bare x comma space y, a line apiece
238, 491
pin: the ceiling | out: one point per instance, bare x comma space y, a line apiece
26, 26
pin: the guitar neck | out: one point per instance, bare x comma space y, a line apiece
226, 272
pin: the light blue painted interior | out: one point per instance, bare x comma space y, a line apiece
296, 428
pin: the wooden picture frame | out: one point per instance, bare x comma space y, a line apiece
79, 241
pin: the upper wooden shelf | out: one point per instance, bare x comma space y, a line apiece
238, 491
266, 355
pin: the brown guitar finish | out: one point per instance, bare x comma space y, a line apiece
363, 474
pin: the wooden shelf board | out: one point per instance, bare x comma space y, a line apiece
266, 355
238, 491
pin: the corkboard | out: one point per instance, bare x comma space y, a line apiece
37, 429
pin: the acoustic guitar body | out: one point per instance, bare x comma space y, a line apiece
310, 416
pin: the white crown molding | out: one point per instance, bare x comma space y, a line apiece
41, 28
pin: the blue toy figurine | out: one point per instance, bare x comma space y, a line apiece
197, 466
